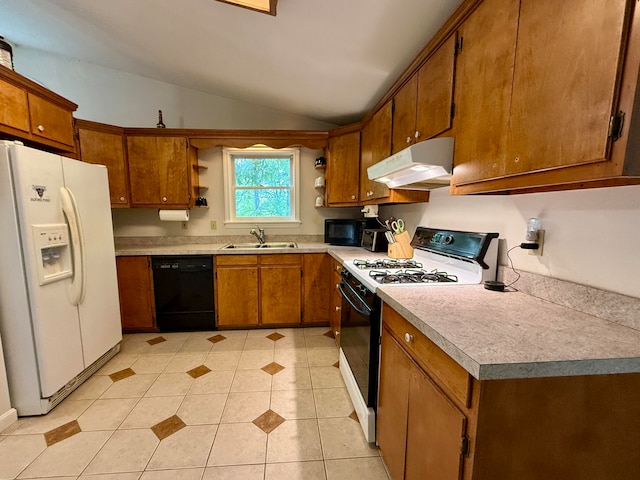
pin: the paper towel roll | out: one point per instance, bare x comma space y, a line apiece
174, 215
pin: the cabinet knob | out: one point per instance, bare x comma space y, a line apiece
417, 134
40, 128
338, 309
353, 197
336, 333
517, 159
122, 199
408, 337
337, 285
408, 139
164, 199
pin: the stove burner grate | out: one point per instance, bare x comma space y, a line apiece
412, 276
386, 263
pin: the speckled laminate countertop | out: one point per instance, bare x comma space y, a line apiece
493, 335
496, 335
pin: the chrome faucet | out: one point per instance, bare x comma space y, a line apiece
259, 234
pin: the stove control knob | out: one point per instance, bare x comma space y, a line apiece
362, 289
448, 240
408, 337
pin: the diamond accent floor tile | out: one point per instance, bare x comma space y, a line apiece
157, 340
354, 416
275, 336
168, 427
216, 338
273, 368
329, 334
268, 421
337, 364
62, 433
122, 374
199, 371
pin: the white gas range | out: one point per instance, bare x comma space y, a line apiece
441, 257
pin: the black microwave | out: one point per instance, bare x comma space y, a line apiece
345, 231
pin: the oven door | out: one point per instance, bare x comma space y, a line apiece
360, 339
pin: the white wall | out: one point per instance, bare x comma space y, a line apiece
592, 236
8, 415
118, 98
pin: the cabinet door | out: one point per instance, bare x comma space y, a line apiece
236, 293
14, 109
135, 287
565, 84
343, 169
173, 170
158, 171
106, 148
280, 292
316, 295
376, 146
50, 121
393, 405
483, 90
435, 92
404, 115
435, 430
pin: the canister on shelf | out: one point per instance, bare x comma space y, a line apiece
6, 54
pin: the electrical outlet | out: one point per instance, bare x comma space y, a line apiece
185, 225
540, 241
214, 225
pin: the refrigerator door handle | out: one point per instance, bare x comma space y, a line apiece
70, 209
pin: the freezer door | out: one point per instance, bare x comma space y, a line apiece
37, 179
100, 307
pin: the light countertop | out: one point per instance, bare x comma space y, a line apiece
493, 335
496, 335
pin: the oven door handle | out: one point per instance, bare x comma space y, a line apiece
347, 297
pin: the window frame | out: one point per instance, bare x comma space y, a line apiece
228, 166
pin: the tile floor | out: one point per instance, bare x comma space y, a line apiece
258, 404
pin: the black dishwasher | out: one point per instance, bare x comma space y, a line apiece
183, 289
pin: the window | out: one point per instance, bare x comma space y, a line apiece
261, 185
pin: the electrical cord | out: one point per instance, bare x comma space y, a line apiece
514, 289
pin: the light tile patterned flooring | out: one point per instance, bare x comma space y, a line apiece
258, 404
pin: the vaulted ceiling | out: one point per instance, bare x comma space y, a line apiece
329, 60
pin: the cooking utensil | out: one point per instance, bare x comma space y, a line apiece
390, 236
397, 226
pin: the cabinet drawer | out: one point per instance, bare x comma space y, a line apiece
50, 121
445, 371
283, 259
236, 260
14, 112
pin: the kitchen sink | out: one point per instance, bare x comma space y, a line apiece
252, 246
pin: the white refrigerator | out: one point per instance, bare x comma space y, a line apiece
59, 305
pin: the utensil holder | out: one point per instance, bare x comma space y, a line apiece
402, 248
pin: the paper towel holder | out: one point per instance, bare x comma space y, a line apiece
173, 215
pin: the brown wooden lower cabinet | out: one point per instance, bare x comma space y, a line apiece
335, 310
430, 428
135, 287
271, 289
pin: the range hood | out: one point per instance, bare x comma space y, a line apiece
422, 166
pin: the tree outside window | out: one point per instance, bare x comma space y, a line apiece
261, 184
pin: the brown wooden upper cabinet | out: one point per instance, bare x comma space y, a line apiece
159, 171
33, 113
538, 87
104, 145
376, 146
343, 168
423, 107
